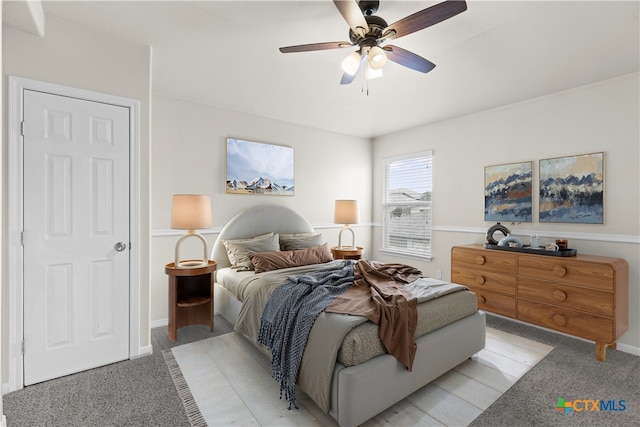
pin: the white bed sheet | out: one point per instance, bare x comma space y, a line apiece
231, 279
240, 283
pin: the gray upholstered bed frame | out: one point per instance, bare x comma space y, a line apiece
363, 391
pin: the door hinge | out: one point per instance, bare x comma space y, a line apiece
22, 238
22, 347
22, 128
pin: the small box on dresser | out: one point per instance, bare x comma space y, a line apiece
584, 295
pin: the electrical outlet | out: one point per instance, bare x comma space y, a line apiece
438, 274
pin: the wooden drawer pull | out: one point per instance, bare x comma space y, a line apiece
482, 299
480, 260
559, 319
559, 271
480, 280
559, 295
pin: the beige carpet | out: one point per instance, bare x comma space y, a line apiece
225, 381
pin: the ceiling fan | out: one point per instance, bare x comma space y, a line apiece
368, 32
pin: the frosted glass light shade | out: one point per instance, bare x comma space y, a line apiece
373, 73
190, 211
346, 212
377, 57
351, 63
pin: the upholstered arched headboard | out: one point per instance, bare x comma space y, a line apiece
255, 221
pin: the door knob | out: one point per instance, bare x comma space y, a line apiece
120, 246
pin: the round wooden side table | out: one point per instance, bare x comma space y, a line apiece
190, 296
346, 252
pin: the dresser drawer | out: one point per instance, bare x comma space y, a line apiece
574, 297
484, 280
496, 303
589, 326
563, 270
485, 260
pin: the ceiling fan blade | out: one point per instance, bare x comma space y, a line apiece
351, 13
408, 59
347, 78
423, 19
315, 46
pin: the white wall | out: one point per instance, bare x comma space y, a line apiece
188, 156
594, 118
77, 56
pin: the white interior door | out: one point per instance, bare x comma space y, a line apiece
76, 235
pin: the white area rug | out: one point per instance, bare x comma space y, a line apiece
225, 381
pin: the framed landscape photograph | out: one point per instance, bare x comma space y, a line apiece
259, 168
507, 192
572, 189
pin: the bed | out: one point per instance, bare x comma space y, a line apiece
361, 379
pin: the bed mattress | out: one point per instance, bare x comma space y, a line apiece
362, 342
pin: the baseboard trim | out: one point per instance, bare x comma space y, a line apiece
143, 352
628, 349
159, 323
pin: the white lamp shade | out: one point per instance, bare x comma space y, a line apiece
346, 212
190, 211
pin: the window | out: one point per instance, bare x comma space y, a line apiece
406, 205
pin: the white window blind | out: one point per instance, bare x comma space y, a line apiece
407, 187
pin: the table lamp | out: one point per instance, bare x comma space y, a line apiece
347, 213
190, 212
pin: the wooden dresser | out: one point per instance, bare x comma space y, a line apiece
584, 295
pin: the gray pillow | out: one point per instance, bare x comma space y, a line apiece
290, 242
239, 250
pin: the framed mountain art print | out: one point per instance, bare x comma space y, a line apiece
259, 169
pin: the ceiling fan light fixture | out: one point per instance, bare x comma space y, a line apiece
377, 57
368, 31
351, 63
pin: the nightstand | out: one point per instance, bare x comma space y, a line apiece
190, 296
346, 253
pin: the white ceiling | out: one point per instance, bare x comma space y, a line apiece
225, 53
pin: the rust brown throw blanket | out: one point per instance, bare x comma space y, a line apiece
379, 295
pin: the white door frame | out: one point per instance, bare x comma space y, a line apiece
15, 265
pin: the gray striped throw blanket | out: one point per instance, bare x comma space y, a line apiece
289, 315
